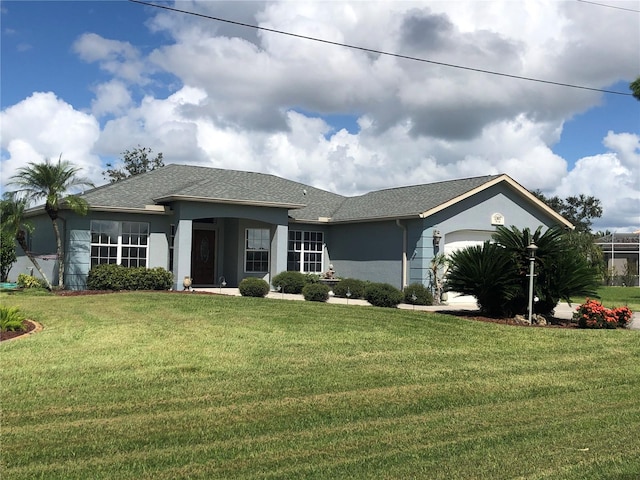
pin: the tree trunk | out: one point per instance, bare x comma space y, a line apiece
60, 253
23, 244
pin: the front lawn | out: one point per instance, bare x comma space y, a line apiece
167, 386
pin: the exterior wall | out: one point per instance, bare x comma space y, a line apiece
43, 243
368, 251
468, 222
78, 246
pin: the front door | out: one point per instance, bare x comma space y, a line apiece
203, 256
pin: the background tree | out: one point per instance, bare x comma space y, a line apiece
51, 182
14, 224
635, 88
134, 162
580, 210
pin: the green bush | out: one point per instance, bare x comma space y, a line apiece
353, 285
253, 287
382, 295
496, 273
10, 319
290, 282
117, 277
316, 292
28, 281
418, 294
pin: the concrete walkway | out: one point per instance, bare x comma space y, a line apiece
563, 310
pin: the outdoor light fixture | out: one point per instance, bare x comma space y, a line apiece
223, 283
436, 238
532, 261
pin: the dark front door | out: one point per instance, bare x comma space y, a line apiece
203, 256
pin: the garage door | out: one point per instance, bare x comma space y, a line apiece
458, 240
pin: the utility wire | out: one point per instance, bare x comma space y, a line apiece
379, 52
610, 6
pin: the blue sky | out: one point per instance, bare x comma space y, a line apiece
90, 79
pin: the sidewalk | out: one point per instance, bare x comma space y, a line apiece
563, 310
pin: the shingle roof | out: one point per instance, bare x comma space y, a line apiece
174, 182
406, 201
305, 203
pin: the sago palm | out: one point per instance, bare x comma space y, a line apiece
52, 183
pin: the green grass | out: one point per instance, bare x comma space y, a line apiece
166, 386
617, 297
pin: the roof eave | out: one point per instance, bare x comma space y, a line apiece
228, 201
531, 198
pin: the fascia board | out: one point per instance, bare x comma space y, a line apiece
228, 201
515, 186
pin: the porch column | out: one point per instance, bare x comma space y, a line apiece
279, 250
182, 252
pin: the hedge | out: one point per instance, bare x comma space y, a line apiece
118, 277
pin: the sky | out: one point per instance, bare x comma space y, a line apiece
88, 80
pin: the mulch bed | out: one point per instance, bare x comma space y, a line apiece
475, 315
27, 325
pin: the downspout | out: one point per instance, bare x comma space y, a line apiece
404, 252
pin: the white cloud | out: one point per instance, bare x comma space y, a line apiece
252, 100
43, 126
112, 98
118, 58
614, 178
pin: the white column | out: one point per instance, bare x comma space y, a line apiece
182, 252
279, 250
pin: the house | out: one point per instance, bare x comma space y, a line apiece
621, 253
217, 225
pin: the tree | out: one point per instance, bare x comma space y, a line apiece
579, 210
134, 161
50, 182
14, 225
635, 88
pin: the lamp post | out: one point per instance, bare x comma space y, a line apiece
532, 260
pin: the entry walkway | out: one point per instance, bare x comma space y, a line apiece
563, 310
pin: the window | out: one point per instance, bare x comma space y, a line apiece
305, 251
123, 243
257, 241
172, 239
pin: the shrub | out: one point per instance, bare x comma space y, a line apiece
117, 277
353, 285
316, 292
29, 281
253, 287
10, 319
592, 314
289, 282
418, 294
382, 295
311, 278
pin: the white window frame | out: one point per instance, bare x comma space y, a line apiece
118, 242
304, 247
257, 244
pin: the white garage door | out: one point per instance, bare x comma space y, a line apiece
458, 240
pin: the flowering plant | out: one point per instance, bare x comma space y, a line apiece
592, 314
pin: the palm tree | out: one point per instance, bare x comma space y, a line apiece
50, 182
13, 222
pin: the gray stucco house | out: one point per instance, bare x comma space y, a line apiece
213, 225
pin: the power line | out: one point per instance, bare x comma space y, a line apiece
380, 52
610, 6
